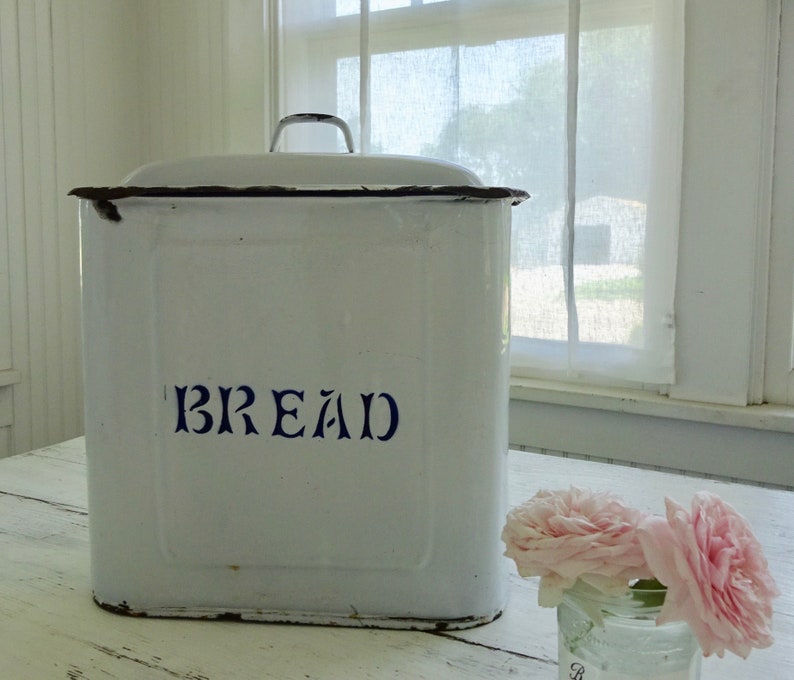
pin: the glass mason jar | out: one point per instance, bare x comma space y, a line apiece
616, 638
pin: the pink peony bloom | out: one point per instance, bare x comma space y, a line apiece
716, 575
563, 536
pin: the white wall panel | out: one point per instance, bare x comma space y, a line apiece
90, 90
184, 54
203, 72
9, 144
13, 211
97, 133
42, 233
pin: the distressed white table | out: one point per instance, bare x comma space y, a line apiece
50, 627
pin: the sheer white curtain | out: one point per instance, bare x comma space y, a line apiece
579, 102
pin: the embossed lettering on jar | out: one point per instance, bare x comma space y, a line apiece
616, 638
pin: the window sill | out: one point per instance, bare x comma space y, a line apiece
771, 417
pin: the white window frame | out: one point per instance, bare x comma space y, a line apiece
734, 300
779, 360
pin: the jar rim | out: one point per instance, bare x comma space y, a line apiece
650, 600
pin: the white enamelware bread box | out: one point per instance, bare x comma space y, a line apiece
296, 389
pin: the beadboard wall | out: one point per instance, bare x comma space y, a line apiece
90, 90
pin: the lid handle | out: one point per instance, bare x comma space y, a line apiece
312, 118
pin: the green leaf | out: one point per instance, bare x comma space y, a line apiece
649, 591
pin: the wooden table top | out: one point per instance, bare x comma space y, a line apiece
50, 627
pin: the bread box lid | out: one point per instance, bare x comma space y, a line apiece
299, 174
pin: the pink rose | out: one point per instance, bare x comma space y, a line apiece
563, 536
716, 576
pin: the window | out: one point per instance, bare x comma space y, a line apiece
729, 263
501, 86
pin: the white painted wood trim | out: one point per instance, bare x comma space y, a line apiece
772, 417
632, 429
763, 192
726, 135
779, 381
6, 420
9, 377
